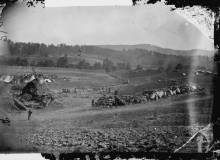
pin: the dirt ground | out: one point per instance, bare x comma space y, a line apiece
160, 126
71, 124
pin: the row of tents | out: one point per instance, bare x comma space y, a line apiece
25, 78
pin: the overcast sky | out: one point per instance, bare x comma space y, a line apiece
154, 24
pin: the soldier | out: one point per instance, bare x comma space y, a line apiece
75, 91
109, 90
29, 114
93, 103
116, 92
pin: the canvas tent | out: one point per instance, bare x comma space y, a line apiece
6, 78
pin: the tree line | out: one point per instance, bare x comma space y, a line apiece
42, 55
63, 62
62, 55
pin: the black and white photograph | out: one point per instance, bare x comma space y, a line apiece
106, 79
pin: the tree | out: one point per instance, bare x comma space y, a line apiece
83, 64
108, 65
46, 63
97, 65
120, 65
139, 67
62, 61
23, 62
128, 66
179, 66
17, 61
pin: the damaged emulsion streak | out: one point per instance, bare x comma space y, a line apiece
212, 5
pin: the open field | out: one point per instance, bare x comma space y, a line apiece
71, 123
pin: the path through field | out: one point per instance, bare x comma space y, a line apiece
152, 126
86, 110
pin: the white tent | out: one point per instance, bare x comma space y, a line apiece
6, 78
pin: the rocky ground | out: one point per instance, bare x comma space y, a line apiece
163, 139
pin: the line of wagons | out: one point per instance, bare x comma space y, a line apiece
148, 95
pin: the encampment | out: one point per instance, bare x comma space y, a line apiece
34, 94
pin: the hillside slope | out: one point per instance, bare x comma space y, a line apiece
154, 48
142, 54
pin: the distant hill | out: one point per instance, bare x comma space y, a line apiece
154, 48
142, 54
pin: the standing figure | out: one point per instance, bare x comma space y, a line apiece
116, 92
93, 103
109, 90
29, 114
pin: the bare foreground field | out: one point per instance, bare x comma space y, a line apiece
71, 124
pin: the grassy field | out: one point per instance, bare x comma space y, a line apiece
70, 123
